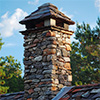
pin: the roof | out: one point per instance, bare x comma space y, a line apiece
47, 10
84, 92
12, 96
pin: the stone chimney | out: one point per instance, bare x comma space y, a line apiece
47, 52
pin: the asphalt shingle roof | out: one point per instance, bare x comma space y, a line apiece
12, 96
84, 92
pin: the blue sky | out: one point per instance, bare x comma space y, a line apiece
12, 11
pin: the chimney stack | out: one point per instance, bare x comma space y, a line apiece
46, 52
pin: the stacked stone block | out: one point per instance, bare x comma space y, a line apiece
47, 63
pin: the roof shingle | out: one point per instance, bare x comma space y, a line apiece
47, 10
12, 96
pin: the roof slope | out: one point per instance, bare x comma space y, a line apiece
47, 10
84, 92
12, 96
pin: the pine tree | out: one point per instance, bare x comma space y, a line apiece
85, 55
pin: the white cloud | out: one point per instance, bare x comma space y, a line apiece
33, 2
10, 24
69, 15
97, 4
9, 45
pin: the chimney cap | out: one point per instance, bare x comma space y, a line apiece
45, 11
46, 5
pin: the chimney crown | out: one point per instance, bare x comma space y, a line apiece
46, 11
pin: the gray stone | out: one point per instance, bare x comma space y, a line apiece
60, 86
61, 77
28, 40
67, 83
56, 81
52, 67
39, 58
62, 46
67, 59
45, 68
51, 46
36, 40
35, 80
49, 57
33, 70
45, 43
39, 76
63, 71
33, 36
27, 86
41, 98
58, 35
44, 63
68, 40
48, 92
47, 71
51, 38
39, 71
27, 81
68, 53
31, 50
44, 88
54, 57
38, 65
35, 95
64, 52
26, 47
47, 76
65, 35
69, 78
27, 71
34, 48
62, 81
38, 51
25, 95
58, 52
32, 76
28, 62
44, 58
26, 59
61, 64
37, 89
54, 76
27, 54
43, 47
59, 40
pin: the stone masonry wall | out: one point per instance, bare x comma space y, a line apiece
47, 64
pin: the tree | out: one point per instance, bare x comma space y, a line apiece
1, 43
3, 89
10, 74
15, 84
85, 55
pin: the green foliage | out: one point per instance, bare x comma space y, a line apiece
10, 74
85, 55
15, 84
1, 43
